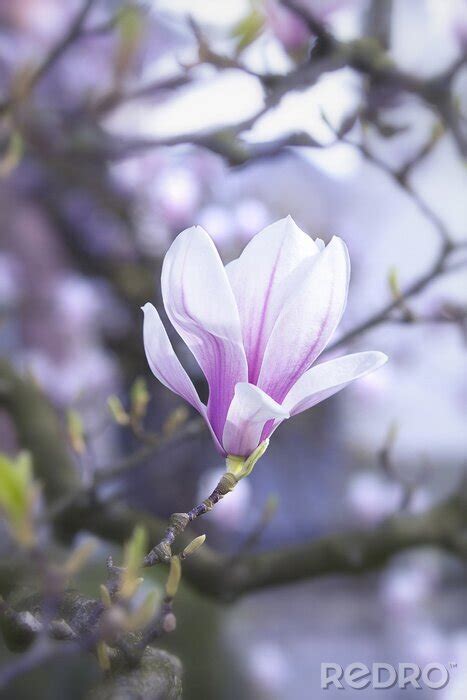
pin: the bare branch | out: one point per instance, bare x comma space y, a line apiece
57, 51
216, 575
434, 272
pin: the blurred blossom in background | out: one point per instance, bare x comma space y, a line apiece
167, 113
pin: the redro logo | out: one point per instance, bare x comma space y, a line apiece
382, 675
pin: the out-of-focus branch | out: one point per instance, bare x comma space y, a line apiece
369, 57
401, 179
157, 447
327, 42
44, 651
117, 98
65, 42
440, 264
219, 576
224, 142
78, 628
437, 269
365, 56
353, 552
38, 431
378, 21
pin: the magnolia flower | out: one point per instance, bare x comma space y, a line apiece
255, 328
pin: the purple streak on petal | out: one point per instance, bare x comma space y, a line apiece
259, 279
269, 428
316, 298
201, 306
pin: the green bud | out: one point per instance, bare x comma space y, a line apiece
103, 656
173, 580
130, 28
135, 549
248, 29
14, 153
134, 552
79, 557
175, 420
193, 546
139, 398
119, 414
76, 431
17, 496
105, 596
394, 283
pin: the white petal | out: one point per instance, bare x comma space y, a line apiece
251, 409
320, 244
164, 363
326, 379
258, 279
162, 359
316, 298
200, 304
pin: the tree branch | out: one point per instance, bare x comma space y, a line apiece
74, 32
39, 431
214, 574
434, 272
354, 552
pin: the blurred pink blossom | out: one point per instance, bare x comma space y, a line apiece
88, 370
289, 28
372, 496
178, 192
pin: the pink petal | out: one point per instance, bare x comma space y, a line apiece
326, 379
258, 279
316, 297
200, 304
249, 411
166, 366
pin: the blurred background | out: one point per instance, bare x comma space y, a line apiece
121, 124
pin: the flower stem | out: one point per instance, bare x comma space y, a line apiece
162, 552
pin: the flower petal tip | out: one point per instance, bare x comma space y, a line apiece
337, 241
380, 358
145, 306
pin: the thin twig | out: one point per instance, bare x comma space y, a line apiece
162, 552
73, 33
434, 272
